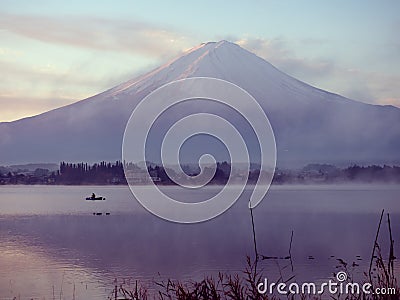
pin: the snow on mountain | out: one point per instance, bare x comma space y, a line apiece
310, 125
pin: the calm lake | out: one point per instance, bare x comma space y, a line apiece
52, 246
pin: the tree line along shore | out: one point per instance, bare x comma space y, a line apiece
107, 173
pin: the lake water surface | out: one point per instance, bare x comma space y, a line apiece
52, 246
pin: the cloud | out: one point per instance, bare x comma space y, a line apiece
359, 84
23, 82
77, 57
390, 101
278, 52
44, 73
14, 107
372, 87
26, 90
96, 33
9, 53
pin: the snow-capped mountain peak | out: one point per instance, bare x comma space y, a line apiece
310, 125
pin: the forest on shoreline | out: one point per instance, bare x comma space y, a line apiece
107, 173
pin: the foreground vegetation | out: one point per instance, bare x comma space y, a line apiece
380, 276
244, 286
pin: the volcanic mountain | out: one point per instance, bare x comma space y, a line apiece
310, 125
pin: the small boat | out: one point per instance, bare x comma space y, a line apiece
94, 198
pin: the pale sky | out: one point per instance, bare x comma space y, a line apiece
53, 53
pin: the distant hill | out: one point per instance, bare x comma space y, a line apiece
30, 167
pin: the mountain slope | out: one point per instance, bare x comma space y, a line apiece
310, 125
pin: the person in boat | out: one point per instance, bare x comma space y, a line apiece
93, 195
